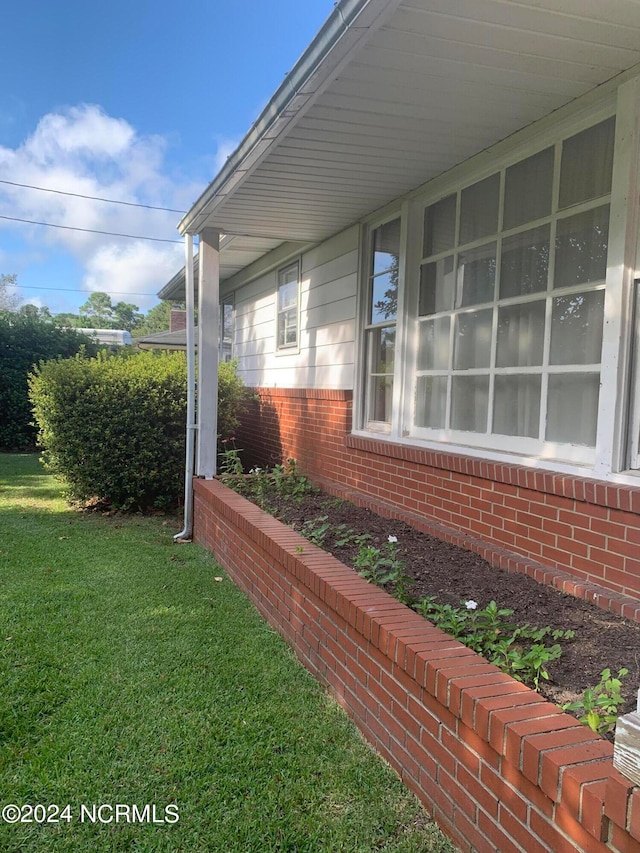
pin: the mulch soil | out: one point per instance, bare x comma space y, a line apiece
455, 575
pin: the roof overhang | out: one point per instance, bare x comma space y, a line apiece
391, 94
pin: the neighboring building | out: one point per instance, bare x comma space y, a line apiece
110, 337
427, 246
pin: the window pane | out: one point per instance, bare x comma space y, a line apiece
288, 328
381, 350
576, 328
436, 287
439, 227
433, 346
525, 263
527, 191
479, 209
431, 401
581, 248
572, 408
587, 164
520, 335
380, 398
473, 340
386, 247
288, 295
384, 297
288, 274
470, 403
476, 275
516, 405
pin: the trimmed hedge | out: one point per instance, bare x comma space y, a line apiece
26, 340
113, 427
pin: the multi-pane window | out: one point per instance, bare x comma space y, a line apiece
511, 296
287, 312
380, 326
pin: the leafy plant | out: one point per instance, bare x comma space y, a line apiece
113, 427
316, 529
230, 461
26, 339
518, 650
598, 706
345, 536
382, 566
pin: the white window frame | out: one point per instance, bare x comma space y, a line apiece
365, 327
224, 302
518, 444
610, 458
293, 347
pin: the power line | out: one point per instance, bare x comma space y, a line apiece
91, 197
89, 230
75, 290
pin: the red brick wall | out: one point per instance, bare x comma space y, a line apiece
498, 766
585, 531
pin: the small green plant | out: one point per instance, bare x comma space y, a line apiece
288, 482
316, 529
598, 706
230, 462
382, 566
346, 536
518, 650
261, 485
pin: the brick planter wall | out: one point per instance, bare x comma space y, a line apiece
520, 518
498, 766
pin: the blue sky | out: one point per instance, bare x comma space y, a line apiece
137, 100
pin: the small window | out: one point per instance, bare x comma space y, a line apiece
288, 292
226, 329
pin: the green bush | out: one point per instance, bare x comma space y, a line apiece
113, 427
25, 340
233, 397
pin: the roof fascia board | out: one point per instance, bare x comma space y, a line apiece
351, 22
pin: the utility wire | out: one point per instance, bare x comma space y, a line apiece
76, 290
89, 230
91, 197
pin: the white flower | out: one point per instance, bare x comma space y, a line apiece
471, 604
392, 540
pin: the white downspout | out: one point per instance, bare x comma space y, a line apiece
187, 530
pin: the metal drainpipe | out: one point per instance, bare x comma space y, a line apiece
186, 532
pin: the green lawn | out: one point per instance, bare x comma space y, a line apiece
130, 674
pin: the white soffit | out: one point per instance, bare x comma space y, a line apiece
236, 253
437, 82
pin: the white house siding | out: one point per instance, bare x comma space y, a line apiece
324, 357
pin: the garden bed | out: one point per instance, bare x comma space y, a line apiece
454, 575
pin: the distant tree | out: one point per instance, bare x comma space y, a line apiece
69, 321
35, 311
127, 316
8, 301
157, 318
98, 311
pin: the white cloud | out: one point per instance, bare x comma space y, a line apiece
83, 150
141, 264
226, 147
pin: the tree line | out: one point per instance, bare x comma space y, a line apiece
98, 312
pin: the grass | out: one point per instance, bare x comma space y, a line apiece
131, 674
